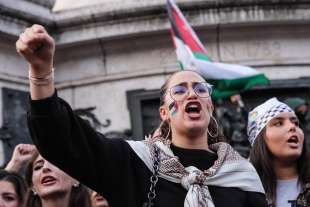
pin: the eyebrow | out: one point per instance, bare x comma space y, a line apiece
185, 83
277, 118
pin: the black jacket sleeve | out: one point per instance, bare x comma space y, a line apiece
70, 143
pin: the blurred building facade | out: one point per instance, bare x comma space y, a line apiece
113, 56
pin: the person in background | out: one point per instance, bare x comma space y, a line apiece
97, 200
233, 119
13, 189
23, 155
279, 154
51, 187
301, 108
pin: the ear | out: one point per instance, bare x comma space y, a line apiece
163, 112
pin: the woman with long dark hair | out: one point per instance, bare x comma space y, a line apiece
51, 187
13, 189
279, 154
185, 165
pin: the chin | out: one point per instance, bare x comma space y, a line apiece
195, 130
197, 124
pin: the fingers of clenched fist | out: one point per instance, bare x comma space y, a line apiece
23, 155
23, 150
32, 39
27, 39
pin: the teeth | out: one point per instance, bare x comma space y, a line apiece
192, 107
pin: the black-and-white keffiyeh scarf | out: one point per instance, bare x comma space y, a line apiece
229, 170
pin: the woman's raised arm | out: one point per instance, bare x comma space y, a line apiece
38, 48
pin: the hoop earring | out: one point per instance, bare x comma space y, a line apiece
217, 128
165, 139
169, 130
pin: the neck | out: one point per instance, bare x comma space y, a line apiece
285, 171
198, 141
56, 201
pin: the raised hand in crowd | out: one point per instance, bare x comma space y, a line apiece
23, 155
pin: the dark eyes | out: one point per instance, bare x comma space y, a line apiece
201, 89
280, 123
179, 90
9, 198
37, 167
296, 122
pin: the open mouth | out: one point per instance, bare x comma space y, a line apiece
293, 139
193, 108
48, 180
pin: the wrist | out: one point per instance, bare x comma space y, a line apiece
42, 79
13, 166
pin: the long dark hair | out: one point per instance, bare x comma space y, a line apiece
18, 182
164, 127
79, 195
261, 158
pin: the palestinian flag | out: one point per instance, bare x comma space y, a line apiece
228, 79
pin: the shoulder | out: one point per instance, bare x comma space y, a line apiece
303, 198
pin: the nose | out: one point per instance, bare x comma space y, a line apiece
292, 126
46, 167
191, 93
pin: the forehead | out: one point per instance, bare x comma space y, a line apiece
6, 186
185, 76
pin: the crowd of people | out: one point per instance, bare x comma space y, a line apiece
30, 180
185, 163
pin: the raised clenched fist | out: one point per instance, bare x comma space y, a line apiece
38, 48
23, 155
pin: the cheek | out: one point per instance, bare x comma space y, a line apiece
301, 133
208, 104
271, 140
35, 178
67, 181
